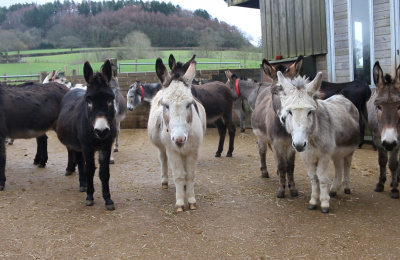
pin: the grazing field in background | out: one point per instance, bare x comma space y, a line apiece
74, 61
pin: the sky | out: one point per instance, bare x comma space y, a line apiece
247, 20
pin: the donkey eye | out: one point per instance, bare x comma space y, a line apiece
290, 112
379, 108
309, 113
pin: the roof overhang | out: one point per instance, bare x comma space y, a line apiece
244, 3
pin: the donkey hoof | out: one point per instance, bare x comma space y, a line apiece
115, 150
110, 207
312, 207
192, 206
42, 165
325, 210
112, 161
89, 202
164, 186
217, 154
280, 194
347, 191
379, 188
394, 195
264, 175
294, 193
1, 187
68, 173
82, 189
179, 209
332, 194
229, 155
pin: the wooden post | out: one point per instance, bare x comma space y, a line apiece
73, 72
136, 65
66, 71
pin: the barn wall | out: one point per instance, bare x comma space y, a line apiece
382, 39
293, 27
138, 118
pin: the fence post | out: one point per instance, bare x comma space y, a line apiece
66, 70
73, 72
136, 65
42, 76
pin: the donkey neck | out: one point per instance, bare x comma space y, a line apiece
149, 91
249, 90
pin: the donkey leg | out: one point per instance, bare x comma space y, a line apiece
346, 172
362, 129
2, 163
178, 170
78, 159
382, 159
262, 150
231, 132
190, 180
312, 174
239, 111
41, 152
323, 179
337, 181
393, 167
71, 165
290, 173
89, 173
162, 155
116, 138
104, 174
222, 132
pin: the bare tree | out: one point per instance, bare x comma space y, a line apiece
139, 44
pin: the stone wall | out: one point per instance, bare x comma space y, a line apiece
138, 118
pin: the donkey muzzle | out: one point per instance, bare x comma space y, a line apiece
299, 146
101, 128
389, 146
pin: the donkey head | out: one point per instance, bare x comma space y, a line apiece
298, 107
387, 105
291, 72
100, 99
177, 100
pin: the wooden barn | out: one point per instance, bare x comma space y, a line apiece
341, 38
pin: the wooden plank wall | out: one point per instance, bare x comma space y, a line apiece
293, 27
341, 38
382, 40
139, 117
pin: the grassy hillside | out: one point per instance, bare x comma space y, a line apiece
34, 65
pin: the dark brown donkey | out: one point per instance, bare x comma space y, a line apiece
216, 97
384, 122
271, 132
28, 111
87, 124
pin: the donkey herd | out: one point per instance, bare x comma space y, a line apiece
321, 121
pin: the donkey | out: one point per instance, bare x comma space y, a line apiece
358, 92
37, 114
384, 122
176, 126
217, 100
87, 124
244, 89
321, 130
141, 92
270, 131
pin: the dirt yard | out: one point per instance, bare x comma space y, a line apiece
43, 214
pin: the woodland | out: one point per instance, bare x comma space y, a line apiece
110, 23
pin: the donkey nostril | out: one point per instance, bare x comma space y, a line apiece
102, 133
305, 143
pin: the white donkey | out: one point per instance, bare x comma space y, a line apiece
321, 130
176, 126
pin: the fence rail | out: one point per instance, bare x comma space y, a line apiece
150, 63
19, 78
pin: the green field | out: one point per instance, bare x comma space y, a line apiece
74, 61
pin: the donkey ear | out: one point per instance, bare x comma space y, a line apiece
283, 86
269, 69
87, 71
231, 77
162, 73
171, 62
296, 68
378, 75
107, 70
314, 85
190, 74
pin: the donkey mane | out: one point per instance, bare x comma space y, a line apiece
388, 78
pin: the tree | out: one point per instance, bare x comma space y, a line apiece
202, 13
70, 42
138, 43
9, 42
